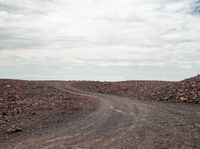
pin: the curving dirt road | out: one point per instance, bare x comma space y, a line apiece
121, 123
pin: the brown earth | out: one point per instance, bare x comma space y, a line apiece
30, 106
95, 120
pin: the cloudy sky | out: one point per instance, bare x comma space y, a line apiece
99, 39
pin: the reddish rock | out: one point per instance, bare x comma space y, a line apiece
13, 129
187, 90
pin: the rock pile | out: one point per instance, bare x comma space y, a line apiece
187, 91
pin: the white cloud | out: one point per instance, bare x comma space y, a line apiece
135, 33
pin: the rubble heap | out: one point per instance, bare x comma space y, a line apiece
187, 91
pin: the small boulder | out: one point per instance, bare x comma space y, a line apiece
13, 129
182, 98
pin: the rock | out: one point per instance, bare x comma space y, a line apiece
7, 86
183, 99
4, 113
33, 113
13, 129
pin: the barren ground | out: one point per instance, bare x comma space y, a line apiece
114, 122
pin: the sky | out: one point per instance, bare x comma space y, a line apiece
106, 40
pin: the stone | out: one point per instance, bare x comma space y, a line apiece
183, 98
13, 129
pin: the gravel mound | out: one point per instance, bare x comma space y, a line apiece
187, 91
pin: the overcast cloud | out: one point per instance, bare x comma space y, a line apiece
99, 39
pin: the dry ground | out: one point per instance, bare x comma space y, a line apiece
112, 122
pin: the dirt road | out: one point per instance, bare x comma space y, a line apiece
121, 123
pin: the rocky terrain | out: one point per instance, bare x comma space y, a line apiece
187, 91
138, 89
85, 114
26, 106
